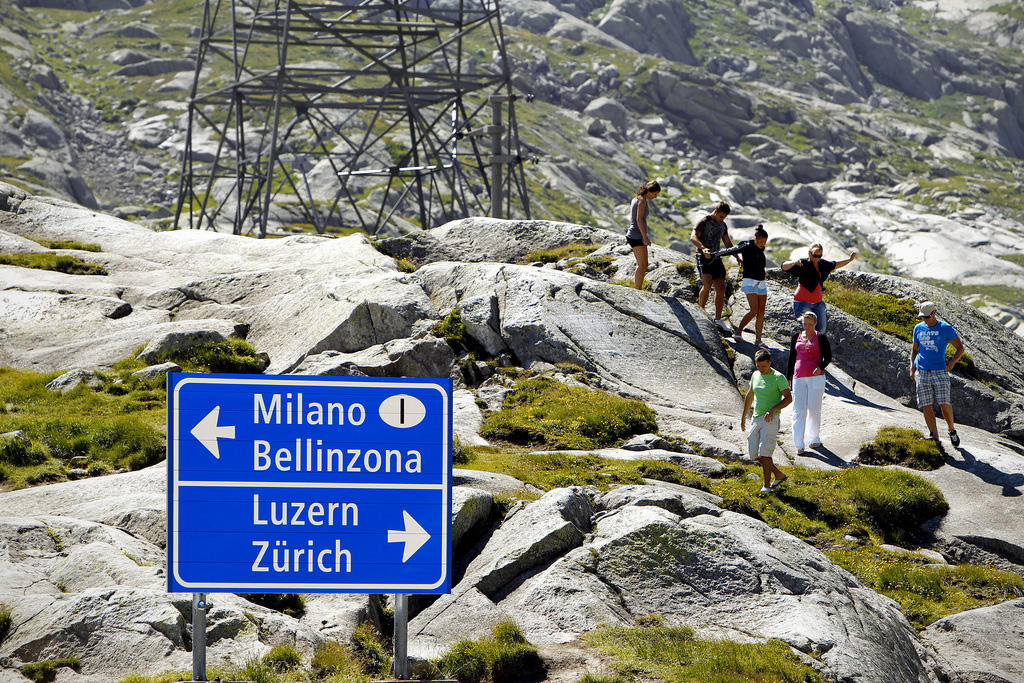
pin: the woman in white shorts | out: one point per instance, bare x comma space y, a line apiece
753, 283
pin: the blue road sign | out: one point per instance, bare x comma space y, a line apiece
308, 484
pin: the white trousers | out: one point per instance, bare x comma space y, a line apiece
807, 395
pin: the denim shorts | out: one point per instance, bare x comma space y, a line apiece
750, 286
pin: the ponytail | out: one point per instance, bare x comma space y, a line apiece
649, 186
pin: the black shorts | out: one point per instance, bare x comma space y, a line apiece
635, 242
713, 267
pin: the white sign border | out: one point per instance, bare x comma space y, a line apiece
327, 587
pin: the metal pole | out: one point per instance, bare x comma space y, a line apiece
496, 157
199, 636
401, 637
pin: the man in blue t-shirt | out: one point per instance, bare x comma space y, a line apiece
929, 369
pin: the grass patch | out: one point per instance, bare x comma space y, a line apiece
5, 621
570, 250
451, 329
335, 662
886, 505
283, 658
372, 651
928, 593
884, 312
66, 244
49, 261
1014, 258
231, 355
544, 412
902, 446
661, 652
94, 430
405, 265
46, 671
505, 655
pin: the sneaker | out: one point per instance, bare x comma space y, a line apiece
723, 325
763, 345
779, 482
765, 489
954, 438
934, 437
737, 336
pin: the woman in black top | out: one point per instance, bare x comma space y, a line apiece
811, 273
753, 284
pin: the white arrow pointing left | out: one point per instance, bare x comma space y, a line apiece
414, 536
207, 432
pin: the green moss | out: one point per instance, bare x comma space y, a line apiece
1014, 258
928, 593
451, 329
544, 412
106, 431
49, 261
405, 265
660, 652
282, 658
46, 671
820, 507
334, 661
570, 250
232, 355
67, 244
504, 656
371, 649
884, 312
5, 621
902, 446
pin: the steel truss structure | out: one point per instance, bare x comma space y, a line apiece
366, 114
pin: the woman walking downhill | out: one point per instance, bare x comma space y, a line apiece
753, 283
809, 354
811, 273
637, 236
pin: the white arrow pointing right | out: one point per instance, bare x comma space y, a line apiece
207, 432
414, 536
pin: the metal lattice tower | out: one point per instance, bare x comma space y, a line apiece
349, 114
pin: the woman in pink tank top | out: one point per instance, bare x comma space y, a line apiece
809, 354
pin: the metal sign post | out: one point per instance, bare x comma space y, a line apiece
199, 636
401, 637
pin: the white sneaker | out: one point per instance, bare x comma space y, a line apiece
765, 489
723, 326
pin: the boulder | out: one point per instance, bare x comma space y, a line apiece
41, 129
658, 27
155, 67
491, 239
552, 317
188, 334
607, 109
724, 574
467, 419
806, 196
982, 644
154, 371
426, 357
891, 55
713, 112
124, 57
62, 178
71, 379
491, 482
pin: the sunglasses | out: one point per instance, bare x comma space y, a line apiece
815, 255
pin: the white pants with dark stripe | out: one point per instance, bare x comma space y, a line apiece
807, 395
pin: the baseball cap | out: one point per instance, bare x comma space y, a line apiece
926, 309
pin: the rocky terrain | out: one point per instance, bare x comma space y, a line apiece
81, 562
895, 127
